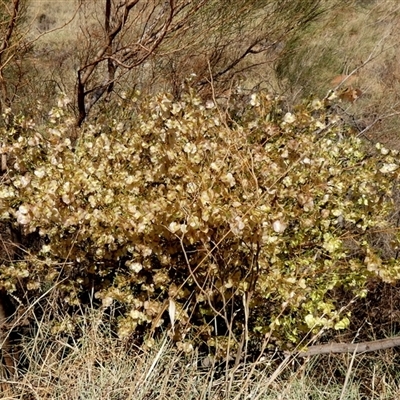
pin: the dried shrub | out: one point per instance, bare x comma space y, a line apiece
252, 221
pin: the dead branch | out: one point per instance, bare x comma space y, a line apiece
355, 348
201, 31
5, 45
152, 36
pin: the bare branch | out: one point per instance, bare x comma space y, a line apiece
4, 46
149, 42
356, 348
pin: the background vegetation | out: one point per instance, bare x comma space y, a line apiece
198, 189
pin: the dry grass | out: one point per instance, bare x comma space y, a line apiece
360, 37
80, 358
53, 22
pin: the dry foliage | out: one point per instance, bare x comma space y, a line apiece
251, 223
223, 226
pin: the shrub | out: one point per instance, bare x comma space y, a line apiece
253, 220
